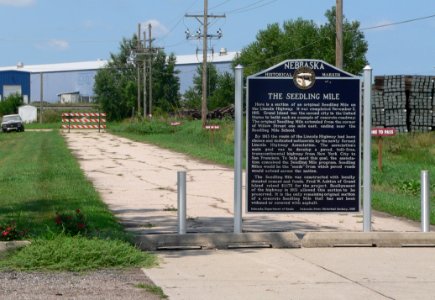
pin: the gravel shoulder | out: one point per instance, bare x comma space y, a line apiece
102, 284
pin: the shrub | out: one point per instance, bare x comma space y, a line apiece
51, 116
9, 232
10, 105
71, 224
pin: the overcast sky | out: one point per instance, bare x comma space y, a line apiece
52, 31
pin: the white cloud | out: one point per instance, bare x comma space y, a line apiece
55, 44
17, 2
58, 44
157, 28
88, 24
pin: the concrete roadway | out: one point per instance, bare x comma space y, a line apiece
307, 273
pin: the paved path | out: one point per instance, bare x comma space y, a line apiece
138, 182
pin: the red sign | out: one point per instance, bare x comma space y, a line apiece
212, 127
383, 131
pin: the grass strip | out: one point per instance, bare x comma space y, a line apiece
153, 289
77, 254
39, 177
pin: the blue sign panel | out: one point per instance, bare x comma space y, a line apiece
303, 139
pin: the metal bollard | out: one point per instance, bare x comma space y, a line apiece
425, 202
181, 201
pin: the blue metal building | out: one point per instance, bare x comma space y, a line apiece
12, 82
79, 77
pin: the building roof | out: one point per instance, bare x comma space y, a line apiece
222, 57
63, 67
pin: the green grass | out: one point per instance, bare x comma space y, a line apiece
77, 254
189, 138
38, 178
37, 125
153, 289
396, 190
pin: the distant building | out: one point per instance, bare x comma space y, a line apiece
70, 97
74, 82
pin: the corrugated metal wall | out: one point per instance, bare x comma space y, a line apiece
62, 82
15, 78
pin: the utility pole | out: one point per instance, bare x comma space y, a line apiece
204, 110
138, 50
150, 60
143, 57
339, 34
41, 95
145, 78
205, 36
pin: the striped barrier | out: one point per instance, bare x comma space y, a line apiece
86, 121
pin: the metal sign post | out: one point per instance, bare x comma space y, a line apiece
425, 201
238, 154
181, 195
367, 159
380, 133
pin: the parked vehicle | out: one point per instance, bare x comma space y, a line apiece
11, 123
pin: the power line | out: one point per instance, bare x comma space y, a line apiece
220, 4
178, 22
250, 7
398, 23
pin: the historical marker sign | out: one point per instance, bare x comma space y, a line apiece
303, 139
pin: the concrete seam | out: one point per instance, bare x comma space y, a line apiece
344, 277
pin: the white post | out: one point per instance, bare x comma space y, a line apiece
238, 154
425, 202
367, 158
181, 195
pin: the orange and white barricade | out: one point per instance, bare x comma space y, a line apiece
83, 121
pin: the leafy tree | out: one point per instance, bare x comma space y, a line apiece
10, 105
224, 92
220, 89
116, 84
166, 85
192, 99
354, 44
305, 39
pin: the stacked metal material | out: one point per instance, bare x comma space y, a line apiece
421, 104
406, 103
